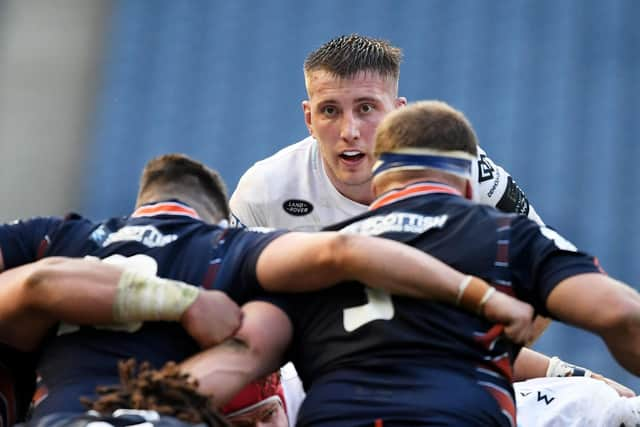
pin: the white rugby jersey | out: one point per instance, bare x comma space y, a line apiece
573, 402
292, 190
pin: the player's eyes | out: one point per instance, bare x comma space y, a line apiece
366, 108
329, 110
268, 416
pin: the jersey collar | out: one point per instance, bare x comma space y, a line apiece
165, 208
412, 190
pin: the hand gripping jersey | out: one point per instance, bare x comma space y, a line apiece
291, 190
364, 355
166, 239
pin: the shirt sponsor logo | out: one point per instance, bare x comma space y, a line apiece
399, 222
148, 235
485, 168
297, 207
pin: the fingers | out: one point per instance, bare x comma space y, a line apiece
519, 331
622, 390
515, 315
212, 318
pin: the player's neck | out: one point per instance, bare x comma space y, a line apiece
360, 193
398, 184
193, 202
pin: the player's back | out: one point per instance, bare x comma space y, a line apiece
76, 359
395, 351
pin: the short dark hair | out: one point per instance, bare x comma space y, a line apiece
180, 173
347, 55
426, 124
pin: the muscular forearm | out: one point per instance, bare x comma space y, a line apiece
256, 351
223, 371
298, 262
90, 292
530, 364
41, 293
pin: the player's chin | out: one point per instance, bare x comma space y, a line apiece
357, 179
356, 176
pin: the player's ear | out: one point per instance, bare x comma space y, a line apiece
306, 109
400, 102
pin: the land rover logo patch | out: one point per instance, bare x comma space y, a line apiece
297, 207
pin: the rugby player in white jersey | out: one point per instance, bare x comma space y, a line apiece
352, 84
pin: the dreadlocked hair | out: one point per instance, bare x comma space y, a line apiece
168, 391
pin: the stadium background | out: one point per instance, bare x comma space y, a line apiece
90, 90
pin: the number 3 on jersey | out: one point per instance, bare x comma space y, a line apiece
379, 306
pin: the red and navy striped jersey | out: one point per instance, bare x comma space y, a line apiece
167, 237
350, 334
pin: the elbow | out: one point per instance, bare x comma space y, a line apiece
621, 317
335, 256
622, 335
257, 356
626, 319
34, 285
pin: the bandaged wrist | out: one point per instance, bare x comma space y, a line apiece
473, 294
559, 368
143, 297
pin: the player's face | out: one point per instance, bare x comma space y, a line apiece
342, 115
270, 414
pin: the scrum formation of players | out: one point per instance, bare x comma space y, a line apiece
412, 306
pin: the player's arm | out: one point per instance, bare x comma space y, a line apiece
605, 306
256, 350
532, 364
497, 188
296, 262
90, 292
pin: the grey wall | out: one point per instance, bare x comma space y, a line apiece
50, 56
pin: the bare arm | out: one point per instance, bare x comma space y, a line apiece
26, 297
90, 292
297, 262
256, 351
604, 306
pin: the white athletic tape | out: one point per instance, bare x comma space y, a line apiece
559, 368
142, 297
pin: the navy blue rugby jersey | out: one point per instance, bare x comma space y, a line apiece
349, 329
166, 239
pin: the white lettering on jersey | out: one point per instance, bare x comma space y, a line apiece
560, 241
395, 222
148, 235
263, 230
379, 306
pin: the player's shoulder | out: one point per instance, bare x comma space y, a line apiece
284, 158
272, 175
481, 213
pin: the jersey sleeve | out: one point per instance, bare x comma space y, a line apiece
21, 241
237, 276
248, 208
540, 258
497, 188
